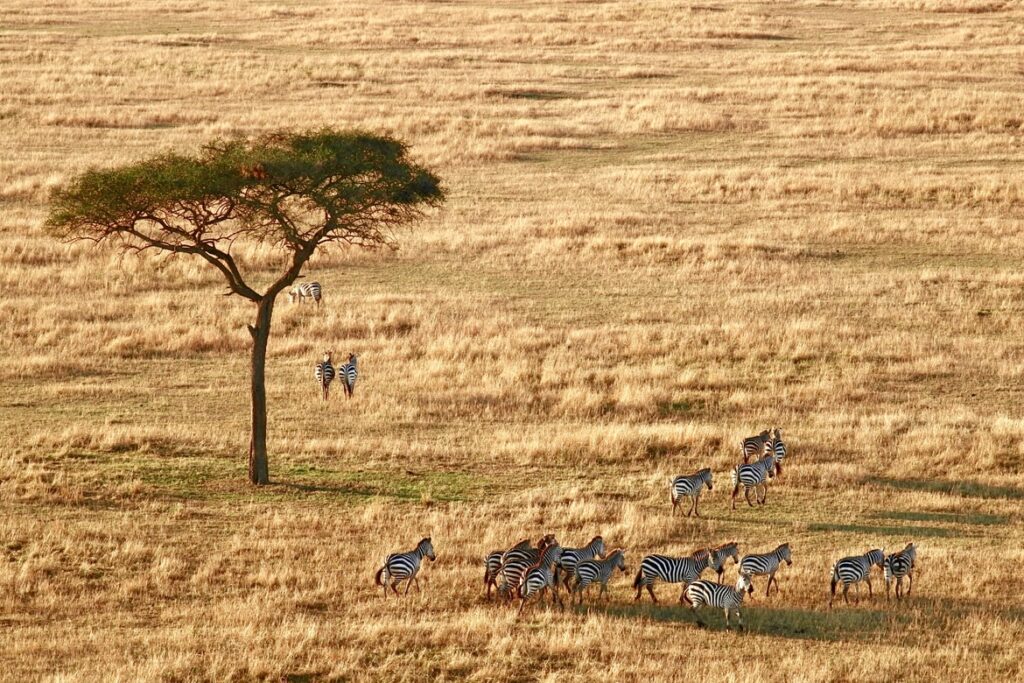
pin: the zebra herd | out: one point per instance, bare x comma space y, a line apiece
324, 371
529, 572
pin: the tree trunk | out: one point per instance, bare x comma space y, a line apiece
259, 471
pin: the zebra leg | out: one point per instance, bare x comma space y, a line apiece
746, 495
394, 589
696, 615
869, 587
910, 577
832, 592
693, 508
408, 584
846, 590
735, 491
888, 583
696, 500
650, 589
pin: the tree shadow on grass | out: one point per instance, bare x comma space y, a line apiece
909, 532
838, 625
966, 488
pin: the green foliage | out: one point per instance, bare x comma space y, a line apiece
295, 189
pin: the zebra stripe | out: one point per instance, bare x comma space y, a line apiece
324, 374
516, 561
307, 290
573, 556
751, 476
348, 373
492, 564
690, 486
752, 445
589, 571
540, 577
683, 570
404, 567
850, 571
710, 594
898, 565
766, 564
778, 447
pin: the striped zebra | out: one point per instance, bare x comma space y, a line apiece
690, 486
347, 373
778, 448
589, 571
492, 564
682, 570
719, 555
752, 445
766, 564
404, 567
517, 561
573, 556
540, 577
753, 475
324, 374
851, 571
307, 290
898, 565
708, 593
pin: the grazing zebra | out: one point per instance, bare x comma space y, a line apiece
752, 476
778, 448
701, 593
898, 565
752, 445
690, 486
682, 570
324, 374
573, 556
589, 571
404, 566
492, 564
540, 577
307, 290
516, 561
719, 555
347, 373
766, 564
852, 570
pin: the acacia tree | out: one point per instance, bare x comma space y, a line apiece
294, 192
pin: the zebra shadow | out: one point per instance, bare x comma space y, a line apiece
963, 487
838, 625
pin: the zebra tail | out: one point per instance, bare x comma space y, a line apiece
639, 579
379, 578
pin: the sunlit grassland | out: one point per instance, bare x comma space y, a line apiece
668, 227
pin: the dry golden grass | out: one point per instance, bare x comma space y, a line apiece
669, 225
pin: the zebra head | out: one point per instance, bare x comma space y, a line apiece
776, 434
705, 475
426, 548
724, 552
876, 557
783, 551
352, 358
618, 556
597, 544
545, 541
327, 356
744, 585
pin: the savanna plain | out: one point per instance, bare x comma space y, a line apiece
669, 225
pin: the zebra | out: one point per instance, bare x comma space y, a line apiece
766, 564
348, 373
540, 577
404, 566
589, 571
324, 374
492, 564
898, 565
307, 290
690, 486
701, 593
516, 561
752, 445
719, 555
778, 448
852, 570
670, 570
752, 476
573, 556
